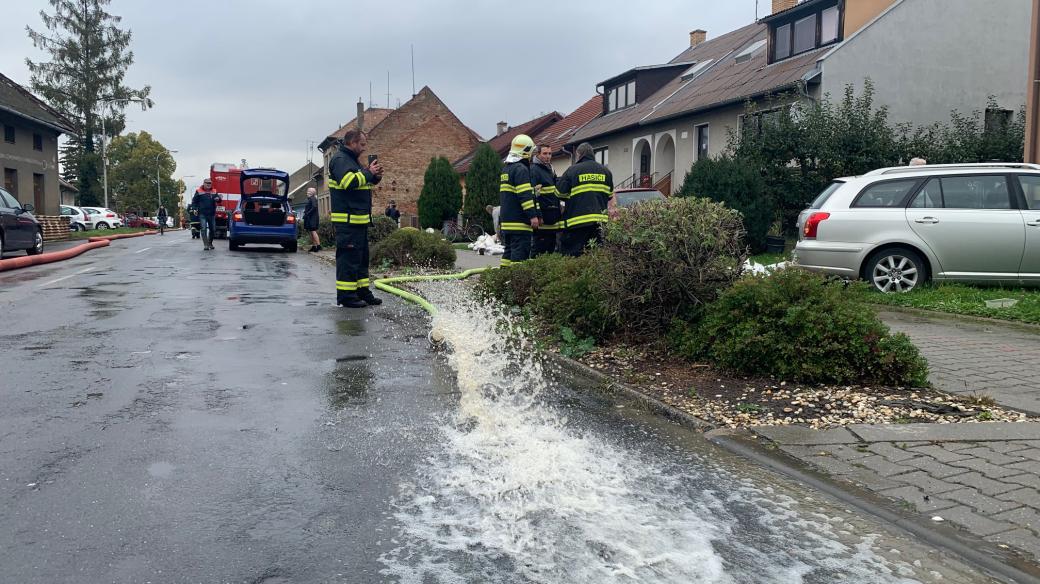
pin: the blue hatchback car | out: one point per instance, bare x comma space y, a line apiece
263, 214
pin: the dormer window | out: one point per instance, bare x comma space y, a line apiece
621, 96
805, 30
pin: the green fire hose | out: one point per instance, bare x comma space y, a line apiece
386, 285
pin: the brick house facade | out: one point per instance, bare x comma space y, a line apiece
405, 140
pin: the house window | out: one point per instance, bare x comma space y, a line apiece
8, 134
818, 28
612, 100
38, 142
601, 156
631, 93
783, 42
702, 142
621, 96
11, 180
997, 120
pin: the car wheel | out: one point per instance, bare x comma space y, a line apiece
101, 226
37, 247
232, 245
290, 247
896, 269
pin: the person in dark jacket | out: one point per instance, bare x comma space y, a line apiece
206, 201
393, 212
310, 218
543, 177
587, 189
161, 216
519, 214
350, 185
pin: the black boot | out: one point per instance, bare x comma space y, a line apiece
366, 295
352, 301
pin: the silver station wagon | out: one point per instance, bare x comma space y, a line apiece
900, 227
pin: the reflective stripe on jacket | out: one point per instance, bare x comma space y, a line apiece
586, 187
544, 180
516, 197
350, 187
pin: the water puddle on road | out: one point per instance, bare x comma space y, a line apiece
525, 489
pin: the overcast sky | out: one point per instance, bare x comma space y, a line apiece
257, 79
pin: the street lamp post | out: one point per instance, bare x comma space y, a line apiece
158, 184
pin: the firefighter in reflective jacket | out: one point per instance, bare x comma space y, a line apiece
350, 186
543, 177
519, 216
587, 189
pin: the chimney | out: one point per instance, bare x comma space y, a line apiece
697, 37
502, 127
781, 5
360, 116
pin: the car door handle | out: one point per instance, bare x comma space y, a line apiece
1033, 223
926, 220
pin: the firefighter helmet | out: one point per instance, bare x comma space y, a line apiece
522, 146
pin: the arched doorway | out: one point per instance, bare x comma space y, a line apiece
642, 163
665, 163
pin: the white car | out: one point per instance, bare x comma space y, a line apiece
104, 218
79, 220
900, 227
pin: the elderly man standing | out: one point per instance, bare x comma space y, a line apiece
310, 219
350, 185
587, 189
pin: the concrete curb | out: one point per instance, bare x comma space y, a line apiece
57, 256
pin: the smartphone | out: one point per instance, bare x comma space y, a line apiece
372, 158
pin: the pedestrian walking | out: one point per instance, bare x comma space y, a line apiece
587, 189
543, 177
519, 214
351, 187
393, 212
161, 216
205, 201
310, 219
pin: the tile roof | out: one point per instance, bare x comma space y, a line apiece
19, 101
500, 143
722, 81
558, 134
373, 117
300, 180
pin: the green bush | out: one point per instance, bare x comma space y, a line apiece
561, 292
381, 228
413, 248
798, 326
327, 233
667, 259
739, 186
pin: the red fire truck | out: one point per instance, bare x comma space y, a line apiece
226, 182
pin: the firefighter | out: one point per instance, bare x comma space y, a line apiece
519, 215
587, 189
543, 177
350, 186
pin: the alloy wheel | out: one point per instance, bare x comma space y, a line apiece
38, 242
895, 273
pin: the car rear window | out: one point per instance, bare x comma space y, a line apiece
826, 194
885, 195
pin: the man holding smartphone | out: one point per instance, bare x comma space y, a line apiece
350, 186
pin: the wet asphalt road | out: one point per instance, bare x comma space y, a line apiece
174, 415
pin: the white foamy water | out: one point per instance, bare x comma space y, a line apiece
518, 494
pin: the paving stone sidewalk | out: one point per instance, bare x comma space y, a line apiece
969, 357
982, 477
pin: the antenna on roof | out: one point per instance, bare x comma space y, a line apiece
756, 10
413, 70
371, 102
387, 90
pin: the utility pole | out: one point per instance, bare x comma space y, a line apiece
1032, 146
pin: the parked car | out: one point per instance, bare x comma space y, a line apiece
18, 228
104, 218
900, 227
263, 214
627, 197
137, 221
79, 220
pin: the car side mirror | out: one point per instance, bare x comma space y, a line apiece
28, 208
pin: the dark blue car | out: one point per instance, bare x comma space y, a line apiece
263, 214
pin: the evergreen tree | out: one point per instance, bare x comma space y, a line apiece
441, 196
133, 160
482, 184
89, 57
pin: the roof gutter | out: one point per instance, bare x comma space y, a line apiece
55, 127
